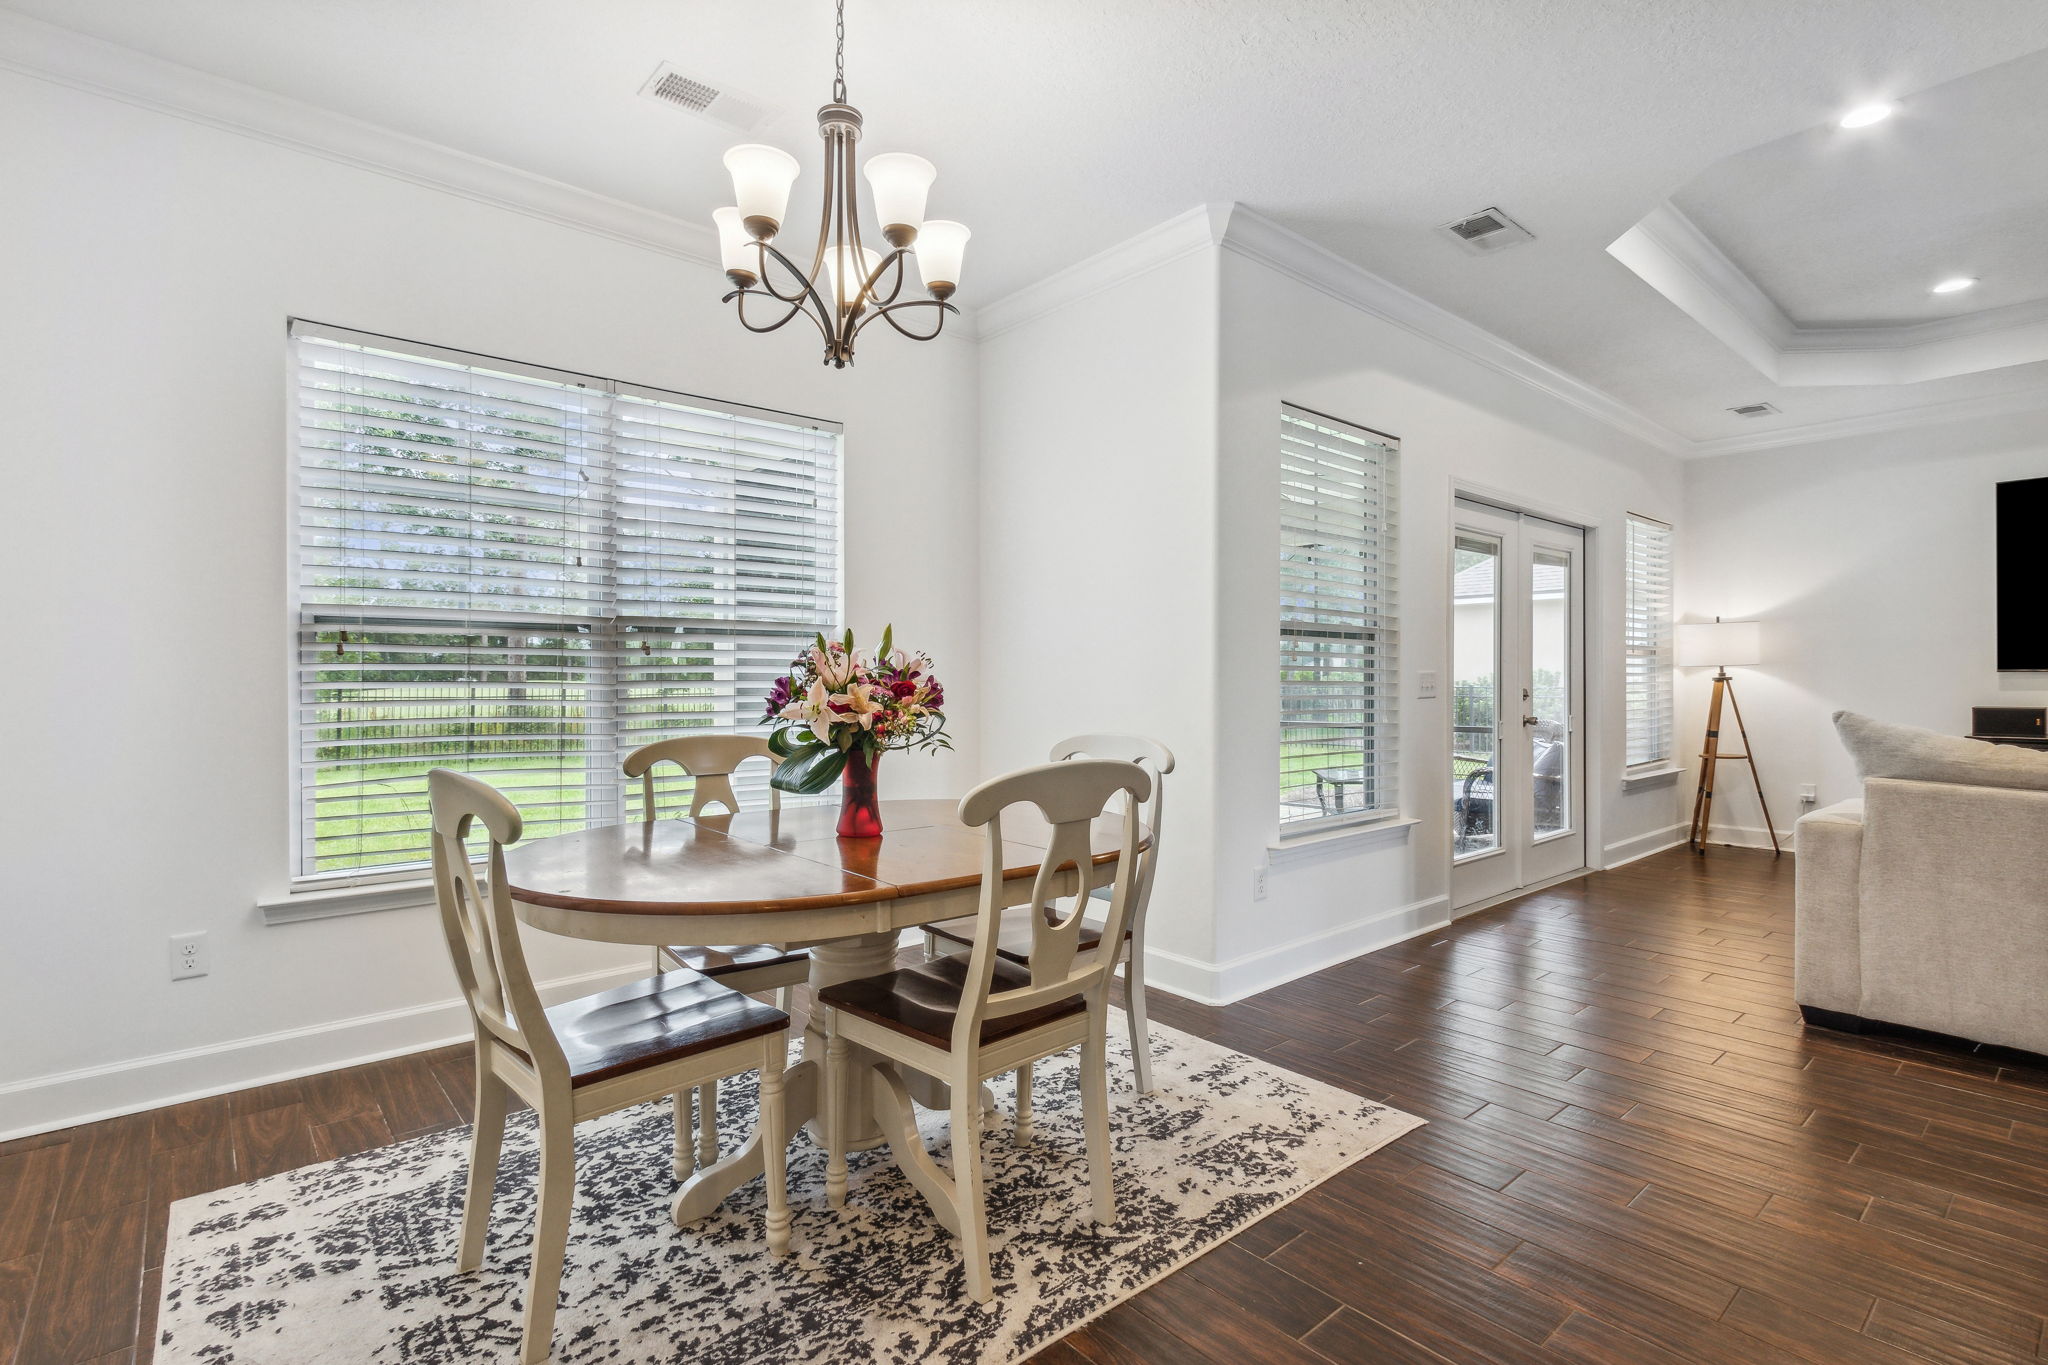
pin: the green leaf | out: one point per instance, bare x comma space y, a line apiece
849, 639
888, 637
778, 743
809, 770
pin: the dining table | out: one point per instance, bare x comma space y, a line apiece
784, 877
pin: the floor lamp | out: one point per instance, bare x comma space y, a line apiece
1717, 645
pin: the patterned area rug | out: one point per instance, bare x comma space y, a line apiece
350, 1260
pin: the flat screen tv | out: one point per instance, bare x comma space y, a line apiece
2023, 576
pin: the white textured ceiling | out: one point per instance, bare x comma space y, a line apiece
1843, 226
1061, 127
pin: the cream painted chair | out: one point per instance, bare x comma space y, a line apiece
965, 1018
1015, 943
750, 967
577, 1060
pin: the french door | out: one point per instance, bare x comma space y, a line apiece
1518, 748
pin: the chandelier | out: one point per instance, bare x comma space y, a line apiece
848, 285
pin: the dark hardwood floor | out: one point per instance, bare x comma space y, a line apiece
1636, 1153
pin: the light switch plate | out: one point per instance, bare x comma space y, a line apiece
1425, 685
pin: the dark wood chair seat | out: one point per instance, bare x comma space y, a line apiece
922, 1001
1015, 943
724, 960
658, 1019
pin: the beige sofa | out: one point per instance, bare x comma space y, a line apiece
1925, 903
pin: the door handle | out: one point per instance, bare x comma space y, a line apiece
1532, 720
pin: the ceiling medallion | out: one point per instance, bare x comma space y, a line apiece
844, 289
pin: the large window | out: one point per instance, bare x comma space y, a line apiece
524, 573
1338, 683
1646, 642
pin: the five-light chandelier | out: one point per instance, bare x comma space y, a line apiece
844, 290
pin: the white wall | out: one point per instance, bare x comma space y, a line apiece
1870, 563
1462, 425
152, 263
1098, 422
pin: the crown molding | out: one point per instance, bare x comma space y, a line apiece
1670, 253
60, 55
2018, 402
1259, 238
1184, 234
1233, 227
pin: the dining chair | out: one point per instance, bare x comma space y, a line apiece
964, 1018
573, 1061
710, 761
1015, 943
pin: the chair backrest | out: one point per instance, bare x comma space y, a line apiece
1157, 760
483, 936
1071, 795
710, 759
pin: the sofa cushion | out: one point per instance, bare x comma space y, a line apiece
1882, 749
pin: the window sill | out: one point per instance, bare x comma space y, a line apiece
1393, 829
332, 902
1648, 775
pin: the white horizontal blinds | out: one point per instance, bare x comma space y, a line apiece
1339, 743
728, 565
499, 574
1647, 641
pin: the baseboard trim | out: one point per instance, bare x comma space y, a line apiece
1643, 845
43, 1103
1223, 983
1747, 836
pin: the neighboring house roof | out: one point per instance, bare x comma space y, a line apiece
1475, 584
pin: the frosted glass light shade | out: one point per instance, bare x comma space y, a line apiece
900, 182
761, 177
736, 250
940, 245
837, 260
1718, 643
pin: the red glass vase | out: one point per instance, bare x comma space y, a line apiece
860, 810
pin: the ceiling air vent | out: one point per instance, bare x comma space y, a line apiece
1755, 410
695, 95
1487, 231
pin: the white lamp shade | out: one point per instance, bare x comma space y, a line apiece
846, 284
761, 177
900, 182
1716, 643
736, 249
940, 245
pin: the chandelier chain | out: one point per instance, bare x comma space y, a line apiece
839, 56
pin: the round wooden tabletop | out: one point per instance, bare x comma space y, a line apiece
766, 861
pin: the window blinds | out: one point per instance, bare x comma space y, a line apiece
524, 573
1646, 641
1339, 744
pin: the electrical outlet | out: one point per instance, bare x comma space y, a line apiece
1425, 686
1807, 795
188, 956
1259, 882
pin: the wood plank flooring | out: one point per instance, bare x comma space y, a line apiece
1636, 1154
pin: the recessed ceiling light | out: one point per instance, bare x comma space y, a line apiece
1959, 283
1863, 115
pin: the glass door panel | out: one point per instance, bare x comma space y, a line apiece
1551, 681
1475, 694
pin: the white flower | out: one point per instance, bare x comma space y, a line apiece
835, 666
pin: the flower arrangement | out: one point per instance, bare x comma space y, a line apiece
837, 706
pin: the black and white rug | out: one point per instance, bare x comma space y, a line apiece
351, 1260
